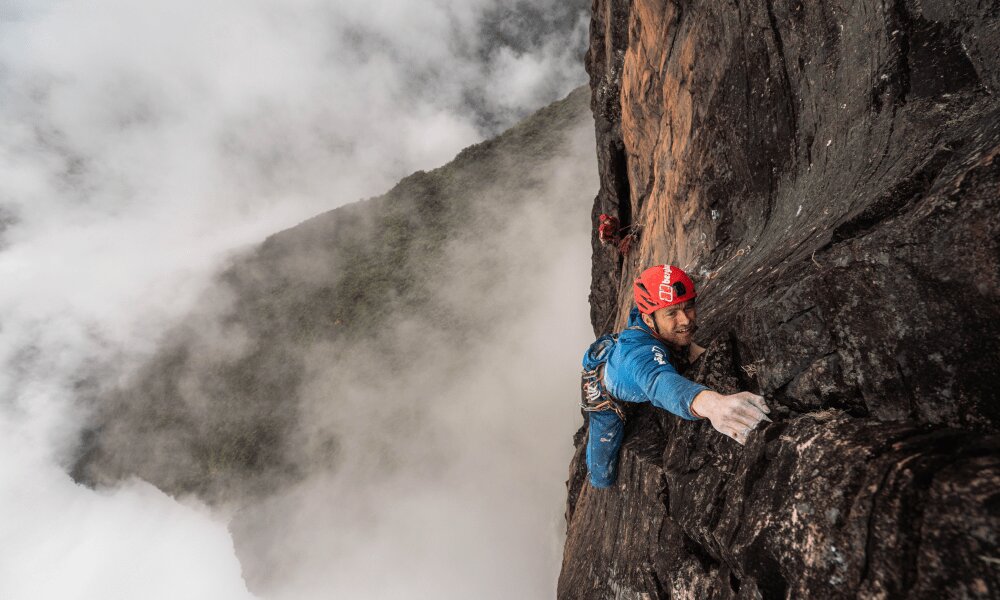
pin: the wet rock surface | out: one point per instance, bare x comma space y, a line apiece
830, 176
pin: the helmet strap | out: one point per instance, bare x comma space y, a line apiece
656, 333
653, 326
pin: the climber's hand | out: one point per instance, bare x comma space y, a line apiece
735, 415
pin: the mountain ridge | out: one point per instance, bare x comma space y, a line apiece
214, 413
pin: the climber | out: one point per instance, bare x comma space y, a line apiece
607, 229
644, 362
610, 232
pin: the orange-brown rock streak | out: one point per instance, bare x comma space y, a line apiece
669, 61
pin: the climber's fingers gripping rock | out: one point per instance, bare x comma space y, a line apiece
735, 415
742, 413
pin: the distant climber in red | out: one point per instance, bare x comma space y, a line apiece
610, 232
607, 229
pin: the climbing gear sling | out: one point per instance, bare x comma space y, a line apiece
595, 396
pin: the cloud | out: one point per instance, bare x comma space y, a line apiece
142, 144
447, 479
66, 541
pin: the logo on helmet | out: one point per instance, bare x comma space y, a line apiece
666, 290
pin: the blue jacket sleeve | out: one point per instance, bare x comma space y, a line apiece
660, 382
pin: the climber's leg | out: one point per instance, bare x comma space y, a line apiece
603, 442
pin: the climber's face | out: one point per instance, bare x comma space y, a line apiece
674, 325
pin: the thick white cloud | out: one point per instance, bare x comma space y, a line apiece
140, 143
62, 540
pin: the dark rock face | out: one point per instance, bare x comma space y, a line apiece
830, 175
608, 39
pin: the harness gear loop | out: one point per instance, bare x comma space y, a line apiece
596, 397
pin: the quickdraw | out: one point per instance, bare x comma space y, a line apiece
595, 397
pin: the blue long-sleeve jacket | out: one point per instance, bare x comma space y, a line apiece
638, 369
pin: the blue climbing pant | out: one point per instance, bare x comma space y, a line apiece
603, 443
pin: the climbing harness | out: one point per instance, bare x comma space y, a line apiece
595, 397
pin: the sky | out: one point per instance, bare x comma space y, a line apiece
141, 145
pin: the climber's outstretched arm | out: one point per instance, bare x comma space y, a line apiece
659, 382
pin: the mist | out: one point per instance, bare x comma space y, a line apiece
448, 480
141, 147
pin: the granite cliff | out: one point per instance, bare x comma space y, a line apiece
829, 173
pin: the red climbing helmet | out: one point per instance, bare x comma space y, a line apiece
662, 285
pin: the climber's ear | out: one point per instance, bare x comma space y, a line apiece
648, 320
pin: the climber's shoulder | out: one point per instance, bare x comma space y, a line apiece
638, 351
